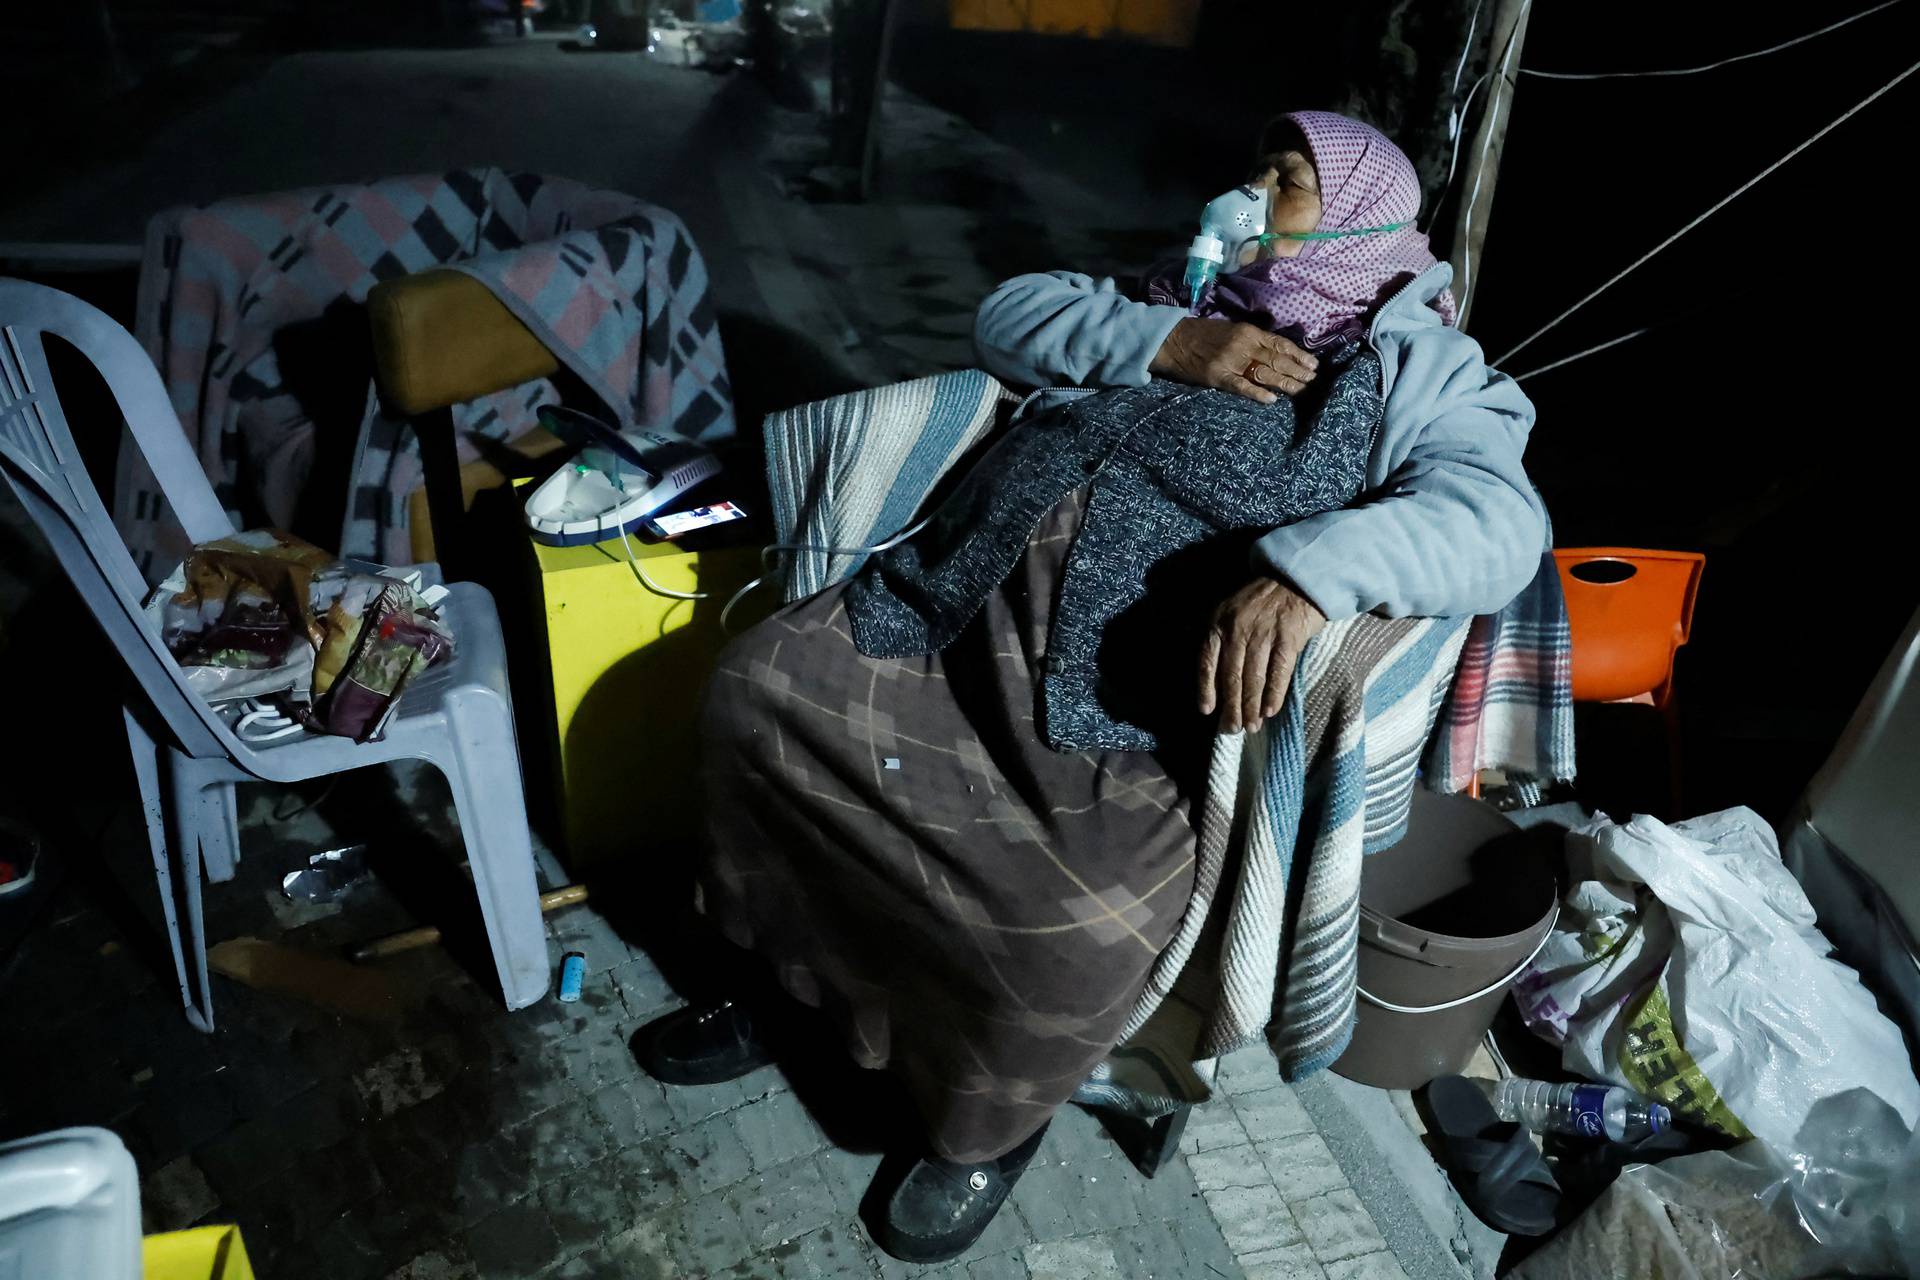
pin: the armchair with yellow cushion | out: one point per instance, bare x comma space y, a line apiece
441, 338
623, 664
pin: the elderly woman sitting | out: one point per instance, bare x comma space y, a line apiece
949, 799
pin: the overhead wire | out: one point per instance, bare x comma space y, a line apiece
1455, 120
1453, 161
1683, 317
1457, 129
1709, 66
1590, 351
1718, 205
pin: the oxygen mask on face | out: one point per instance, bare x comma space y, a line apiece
1227, 224
1233, 223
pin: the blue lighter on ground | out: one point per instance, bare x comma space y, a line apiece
573, 973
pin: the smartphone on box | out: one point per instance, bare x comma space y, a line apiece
674, 524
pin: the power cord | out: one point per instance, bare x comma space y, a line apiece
277, 725
634, 559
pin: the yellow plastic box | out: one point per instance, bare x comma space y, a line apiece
628, 668
203, 1253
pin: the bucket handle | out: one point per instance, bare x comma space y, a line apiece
1489, 989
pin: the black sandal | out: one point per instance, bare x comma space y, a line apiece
1494, 1165
939, 1208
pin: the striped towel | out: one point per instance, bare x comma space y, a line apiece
1290, 812
250, 309
851, 471
1512, 702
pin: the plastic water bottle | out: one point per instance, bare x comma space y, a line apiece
1587, 1110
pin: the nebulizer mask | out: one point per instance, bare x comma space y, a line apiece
1232, 223
1228, 222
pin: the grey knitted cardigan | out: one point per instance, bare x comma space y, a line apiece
1176, 475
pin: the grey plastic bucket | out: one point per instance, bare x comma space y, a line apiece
1448, 919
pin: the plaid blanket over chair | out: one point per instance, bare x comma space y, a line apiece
613, 286
1290, 812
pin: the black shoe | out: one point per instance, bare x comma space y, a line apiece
940, 1208
1150, 1144
701, 1044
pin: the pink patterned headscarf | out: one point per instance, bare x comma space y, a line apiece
1327, 292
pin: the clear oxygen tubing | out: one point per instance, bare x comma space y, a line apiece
766, 555
1210, 250
768, 552
649, 583
1340, 234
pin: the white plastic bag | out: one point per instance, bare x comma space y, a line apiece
215, 682
1686, 965
288, 593
1843, 1203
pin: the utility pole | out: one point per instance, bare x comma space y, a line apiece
1480, 166
1410, 68
862, 46
100, 18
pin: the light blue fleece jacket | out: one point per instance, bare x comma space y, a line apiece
1448, 525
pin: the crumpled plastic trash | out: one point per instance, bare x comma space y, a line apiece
1845, 1201
359, 680
236, 614
1687, 965
263, 615
328, 874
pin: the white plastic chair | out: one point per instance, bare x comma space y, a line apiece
69, 1206
457, 717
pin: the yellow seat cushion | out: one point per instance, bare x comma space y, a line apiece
441, 338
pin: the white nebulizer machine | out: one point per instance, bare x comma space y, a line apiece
1226, 225
614, 484
617, 483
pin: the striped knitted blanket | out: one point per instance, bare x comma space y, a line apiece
250, 309
1268, 944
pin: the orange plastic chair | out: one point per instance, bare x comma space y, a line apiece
1630, 611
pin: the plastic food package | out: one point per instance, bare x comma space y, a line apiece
265, 615
1844, 1201
341, 622
1686, 965
396, 639
236, 615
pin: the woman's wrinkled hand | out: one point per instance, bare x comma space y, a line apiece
1222, 353
1247, 663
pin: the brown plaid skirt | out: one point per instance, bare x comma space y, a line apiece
976, 910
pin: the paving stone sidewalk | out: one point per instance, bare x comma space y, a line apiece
457, 1141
